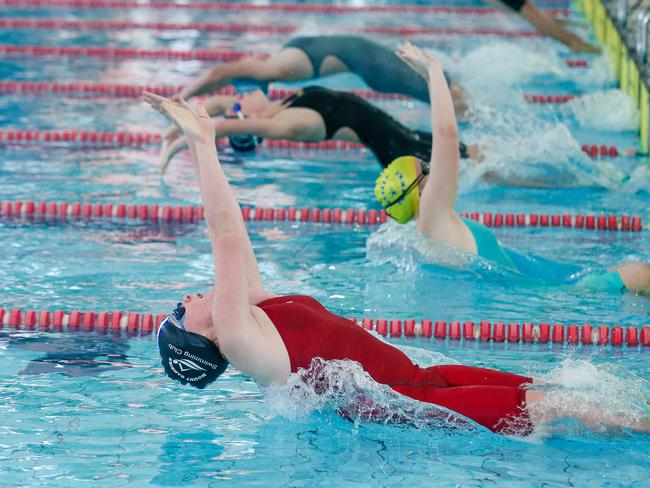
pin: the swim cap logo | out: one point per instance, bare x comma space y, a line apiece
186, 365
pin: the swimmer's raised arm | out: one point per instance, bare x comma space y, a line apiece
215, 105
222, 212
439, 194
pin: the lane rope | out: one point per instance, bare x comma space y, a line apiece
138, 53
135, 91
275, 6
29, 210
465, 332
103, 25
109, 139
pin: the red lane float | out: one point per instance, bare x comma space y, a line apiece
143, 324
122, 53
37, 23
135, 91
178, 214
275, 6
549, 99
141, 139
18, 209
136, 53
103, 25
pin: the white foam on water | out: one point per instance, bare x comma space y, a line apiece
345, 388
611, 110
506, 64
404, 246
520, 149
598, 395
598, 73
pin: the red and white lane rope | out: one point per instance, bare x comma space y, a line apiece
133, 323
142, 139
99, 140
19, 209
272, 6
134, 91
103, 25
136, 53
46, 23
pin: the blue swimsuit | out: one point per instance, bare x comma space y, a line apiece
488, 247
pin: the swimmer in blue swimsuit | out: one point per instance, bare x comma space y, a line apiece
306, 58
410, 187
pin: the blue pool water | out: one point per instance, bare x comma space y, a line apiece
84, 408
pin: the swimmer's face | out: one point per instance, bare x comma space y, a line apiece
253, 103
198, 313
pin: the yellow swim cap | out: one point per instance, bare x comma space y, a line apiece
394, 181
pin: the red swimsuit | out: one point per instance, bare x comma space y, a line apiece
308, 331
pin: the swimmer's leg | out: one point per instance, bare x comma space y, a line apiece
290, 64
459, 375
635, 276
592, 419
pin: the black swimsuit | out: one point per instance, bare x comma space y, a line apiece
380, 67
515, 5
383, 135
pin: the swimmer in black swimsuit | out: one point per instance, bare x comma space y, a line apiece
548, 26
315, 114
304, 58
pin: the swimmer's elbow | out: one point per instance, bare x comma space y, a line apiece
447, 132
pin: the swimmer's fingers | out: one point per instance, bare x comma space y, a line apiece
202, 112
154, 100
168, 153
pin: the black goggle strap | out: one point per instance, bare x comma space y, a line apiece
408, 190
176, 318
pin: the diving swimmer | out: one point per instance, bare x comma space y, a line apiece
311, 114
549, 26
305, 58
426, 190
268, 337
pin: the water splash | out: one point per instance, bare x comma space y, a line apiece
502, 64
611, 110
599, 73
404, 246
345, 388
598, 395
519, 149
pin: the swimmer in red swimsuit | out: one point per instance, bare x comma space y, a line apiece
268, 337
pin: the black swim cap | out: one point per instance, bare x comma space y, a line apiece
244, 142
186, 356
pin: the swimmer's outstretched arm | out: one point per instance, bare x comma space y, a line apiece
222, 213
215, 105
439, 195
549, 26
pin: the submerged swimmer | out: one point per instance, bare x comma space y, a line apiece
426, 190
548, 26
311, 114
269, 337
304, 58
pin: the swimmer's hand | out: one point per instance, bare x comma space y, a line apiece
168, 152
580, 46
417, 59
195, 123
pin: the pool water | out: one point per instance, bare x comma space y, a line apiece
82, 408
